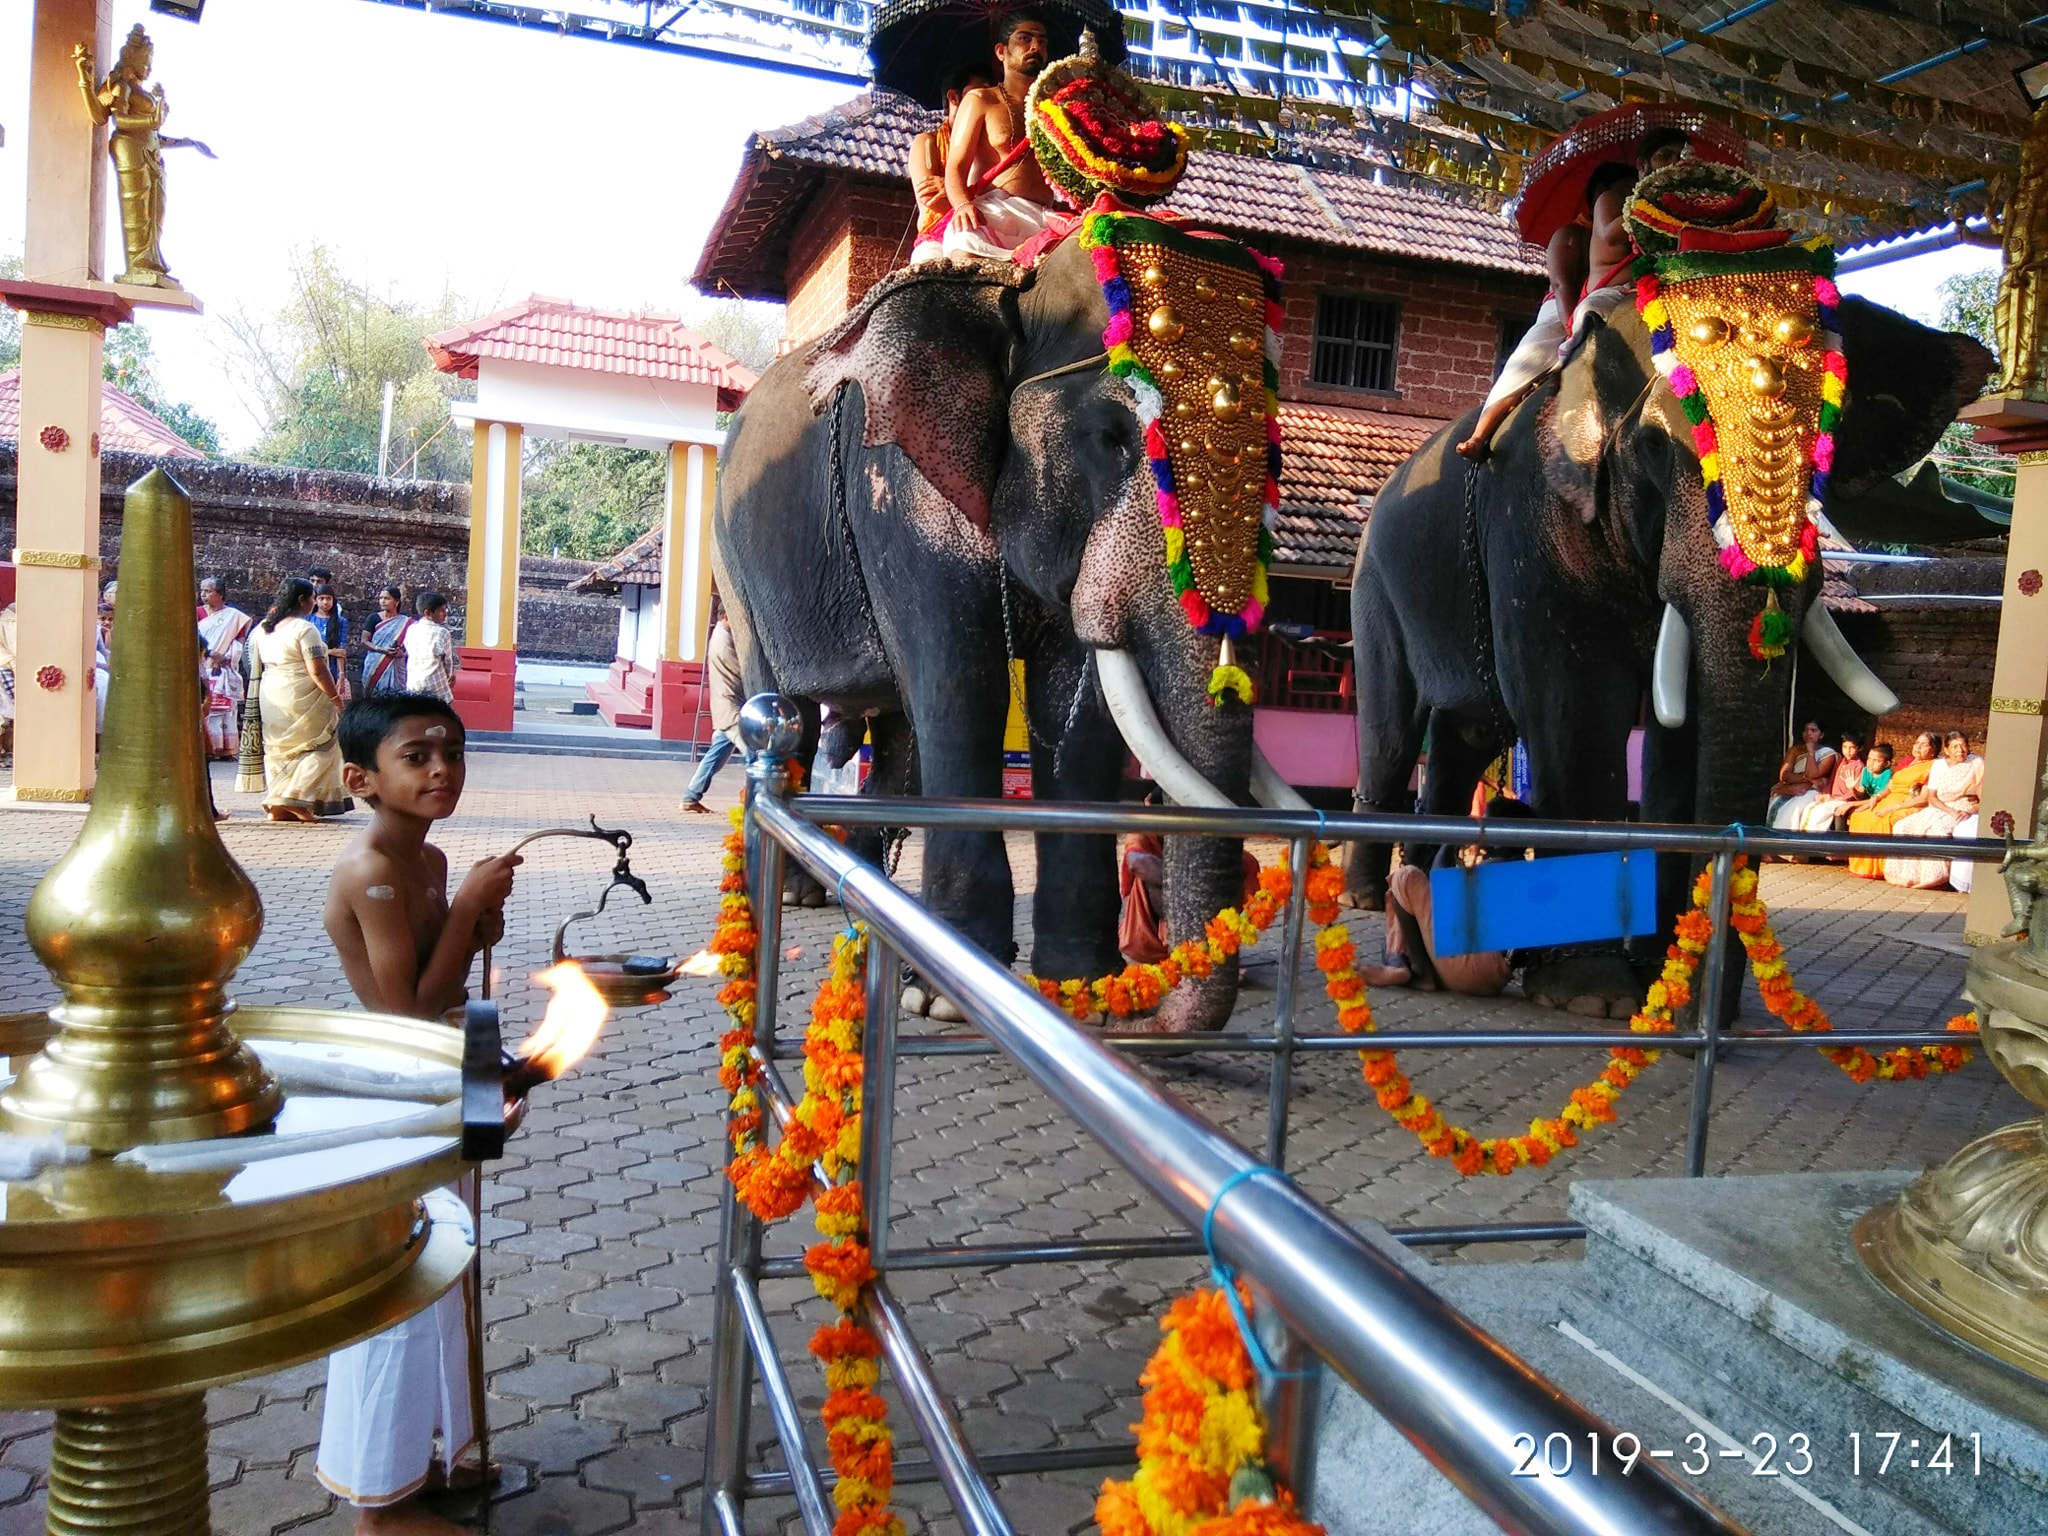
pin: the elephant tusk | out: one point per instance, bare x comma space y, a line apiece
1863, 686
1130, 705
1272, 791
1671, 669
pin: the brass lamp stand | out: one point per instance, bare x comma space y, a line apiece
1966, 1244
125, 1293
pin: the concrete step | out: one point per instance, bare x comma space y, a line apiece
1729, 1358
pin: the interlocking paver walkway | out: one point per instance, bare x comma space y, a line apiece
603, 1216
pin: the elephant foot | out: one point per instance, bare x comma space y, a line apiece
1195, 1007
1592, 986
800, 890
931, 1005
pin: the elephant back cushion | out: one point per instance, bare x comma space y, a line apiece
1194, 331
1746, 334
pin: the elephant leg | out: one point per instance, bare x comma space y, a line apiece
1578, 769
1076, 754
1670, 784
1391, 725
959, 724
1459, 752
892, 772
799, 888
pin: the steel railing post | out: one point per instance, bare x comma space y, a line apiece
770, 733
1713, 980
878, 1097
1280, 1081
1291, 1402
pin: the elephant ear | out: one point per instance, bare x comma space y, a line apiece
1575, 428
928, 348
1906, 383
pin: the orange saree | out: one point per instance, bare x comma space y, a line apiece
1891, 807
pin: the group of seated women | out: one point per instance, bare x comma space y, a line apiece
1932, 794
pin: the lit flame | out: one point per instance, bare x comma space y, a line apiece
570, 1026
702, 963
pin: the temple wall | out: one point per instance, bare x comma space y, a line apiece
1450, 327
254, 524
848, 240
1938, 660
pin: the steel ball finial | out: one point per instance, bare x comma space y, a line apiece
770, 725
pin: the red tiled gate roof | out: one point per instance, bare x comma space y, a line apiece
126, 424
565, 335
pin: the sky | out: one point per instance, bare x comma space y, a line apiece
432, 153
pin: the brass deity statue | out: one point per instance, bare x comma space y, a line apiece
2021, 230
137, 149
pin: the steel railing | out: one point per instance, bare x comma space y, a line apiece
1454, 1392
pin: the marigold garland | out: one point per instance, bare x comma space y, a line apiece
1138, 987
1800, 1013
1202, 1439
1593, 1104
823, 1132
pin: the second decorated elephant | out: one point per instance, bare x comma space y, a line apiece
1591, 560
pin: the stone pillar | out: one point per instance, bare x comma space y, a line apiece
57, 526
685, 592
2014, 742
486, 688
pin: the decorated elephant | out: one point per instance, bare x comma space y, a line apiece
1646, 521
959, 474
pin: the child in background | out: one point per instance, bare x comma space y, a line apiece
406, 947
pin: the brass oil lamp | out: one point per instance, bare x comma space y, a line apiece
128, 1287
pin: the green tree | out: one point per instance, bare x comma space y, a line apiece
586, 501
129, 363
1969, 303
316, 372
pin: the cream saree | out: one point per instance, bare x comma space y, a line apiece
301, 759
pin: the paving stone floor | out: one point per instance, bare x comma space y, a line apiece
603, 1217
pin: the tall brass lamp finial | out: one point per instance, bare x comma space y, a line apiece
144, 919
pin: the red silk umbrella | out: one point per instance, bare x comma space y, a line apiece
1554, 190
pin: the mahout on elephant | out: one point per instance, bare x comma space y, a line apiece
949, 478
1587, 563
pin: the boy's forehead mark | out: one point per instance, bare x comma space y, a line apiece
437, 730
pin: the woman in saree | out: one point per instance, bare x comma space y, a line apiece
1948, 798
1803, 779
1900, 799
301, 707
384, 651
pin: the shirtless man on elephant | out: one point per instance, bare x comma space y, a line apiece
999, 196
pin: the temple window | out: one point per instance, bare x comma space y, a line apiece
1355, 340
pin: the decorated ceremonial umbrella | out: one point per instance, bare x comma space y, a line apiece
1554, 190
916, 44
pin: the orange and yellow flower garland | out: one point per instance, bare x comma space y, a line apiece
1202, 1439
825, 1131
1800, 1013
1138, 987
733, 942
1594, 1103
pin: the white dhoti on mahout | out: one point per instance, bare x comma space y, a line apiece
1548, 338
389, 1396
1007, 221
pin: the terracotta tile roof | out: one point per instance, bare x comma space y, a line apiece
566, 335
1332, 463
637, 565
126, 424
869, 138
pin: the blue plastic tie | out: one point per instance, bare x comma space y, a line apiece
1322, 826
1226, 1277
1741, 836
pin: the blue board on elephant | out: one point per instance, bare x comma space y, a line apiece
1529, 904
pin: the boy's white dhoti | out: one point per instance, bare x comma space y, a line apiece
1544, 344
1007, 221
388, 1396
